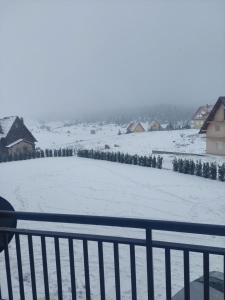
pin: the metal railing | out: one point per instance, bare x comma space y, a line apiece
148, 243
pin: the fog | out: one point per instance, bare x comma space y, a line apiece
67, 59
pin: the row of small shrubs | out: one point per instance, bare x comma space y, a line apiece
145, 161
198, 168
38, 154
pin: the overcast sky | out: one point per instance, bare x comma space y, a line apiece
61, 58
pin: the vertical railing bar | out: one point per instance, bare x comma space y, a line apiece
19, 265
150, 274
186, 275
133, 272
117, 270
101, 270
72, 269
7, 265
206, 275
58, 268
86, 270
45, 267
168, 273
224, 277
32, 267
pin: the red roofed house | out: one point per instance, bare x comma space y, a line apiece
15, 138
214, 128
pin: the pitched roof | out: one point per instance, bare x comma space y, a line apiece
133, 125
153, 123
5, 125
202, 112
221, 100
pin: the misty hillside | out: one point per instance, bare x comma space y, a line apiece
160, 112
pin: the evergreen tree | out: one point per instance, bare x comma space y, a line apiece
159, 162
135, 160
122, 158
180, 165
186, 166
198, 168
154, 162
192, 167
205, 170
175, 164
213, 171
221, 172
150, 161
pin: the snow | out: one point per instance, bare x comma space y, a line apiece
5, 125
85, 186
14, 143
62, 134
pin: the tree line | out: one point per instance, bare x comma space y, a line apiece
199, 168
37, 154
145, 161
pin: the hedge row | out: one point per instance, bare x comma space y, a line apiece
38, 154
198, 168
145, 161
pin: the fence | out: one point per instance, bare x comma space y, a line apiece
147, 243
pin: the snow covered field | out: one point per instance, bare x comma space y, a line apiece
61, 134
84, 186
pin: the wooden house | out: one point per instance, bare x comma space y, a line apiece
135, 127
214, 128
15, 138
200, 116
154, 126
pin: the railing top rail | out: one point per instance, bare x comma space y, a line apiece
209, 229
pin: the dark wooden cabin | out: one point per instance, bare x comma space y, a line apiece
15, 136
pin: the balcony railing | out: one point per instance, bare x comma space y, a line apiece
13, 257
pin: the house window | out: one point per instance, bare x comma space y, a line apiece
217, 127
219, 146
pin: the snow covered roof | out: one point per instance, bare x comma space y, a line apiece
210, 117
5, 125
14, 143
133, 125
202, 112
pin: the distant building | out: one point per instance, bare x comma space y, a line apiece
200, 116
92, 131
214, 127
154, 126
135, 127
15, 137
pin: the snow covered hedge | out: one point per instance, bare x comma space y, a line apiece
198, 168
145, 161
38, 154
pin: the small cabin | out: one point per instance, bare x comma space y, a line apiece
15, 138
135, 127
200, 116
154, 126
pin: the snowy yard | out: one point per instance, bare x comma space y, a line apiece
84, 186
60, 134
